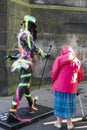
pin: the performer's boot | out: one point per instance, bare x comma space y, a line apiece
33, 103
12, 117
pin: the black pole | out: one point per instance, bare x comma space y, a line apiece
81, 106
44, 68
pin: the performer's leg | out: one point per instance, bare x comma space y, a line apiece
15, 103
16, 99
31, 101
28, 97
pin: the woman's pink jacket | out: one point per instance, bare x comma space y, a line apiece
66, 72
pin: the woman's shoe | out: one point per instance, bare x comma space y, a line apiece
58, 125
70, 127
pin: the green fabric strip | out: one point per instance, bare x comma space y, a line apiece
29, 43
42, 53
24, 84
27, 95
26, 25
26, 75
14, 103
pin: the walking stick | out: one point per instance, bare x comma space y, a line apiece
44, 68
42, 74
81, 106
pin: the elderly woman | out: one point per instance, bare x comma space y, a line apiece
66, 74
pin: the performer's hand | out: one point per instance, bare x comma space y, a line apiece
47, 55
8, 57
77, 92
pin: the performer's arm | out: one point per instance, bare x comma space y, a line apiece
39, 51
15, 57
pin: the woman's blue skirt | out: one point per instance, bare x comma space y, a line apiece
64, 104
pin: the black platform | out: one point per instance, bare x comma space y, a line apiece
25, 113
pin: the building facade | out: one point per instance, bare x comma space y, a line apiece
59, 23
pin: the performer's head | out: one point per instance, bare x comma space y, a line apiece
29, 24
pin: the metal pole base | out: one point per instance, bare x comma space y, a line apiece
84, 119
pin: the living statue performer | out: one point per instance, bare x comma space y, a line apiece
26, 46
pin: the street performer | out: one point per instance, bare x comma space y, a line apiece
26, 46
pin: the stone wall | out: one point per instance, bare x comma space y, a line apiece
16, 11
60, 27
57, 26
3, 47
81, 3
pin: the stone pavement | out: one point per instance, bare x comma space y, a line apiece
46, 96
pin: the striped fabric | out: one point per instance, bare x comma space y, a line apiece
64, 104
